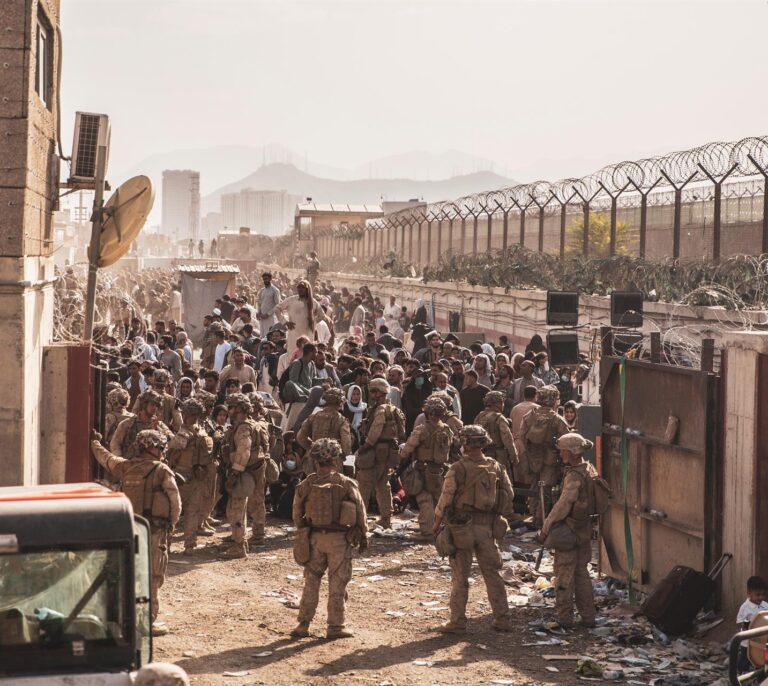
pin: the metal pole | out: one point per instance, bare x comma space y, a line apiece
676, 226
541, 228
522, 227
474, 235
96, 222
643, 222
562, 229
490, 229
505, 234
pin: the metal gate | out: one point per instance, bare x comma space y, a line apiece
664, 487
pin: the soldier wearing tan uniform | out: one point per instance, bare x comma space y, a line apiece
189, 454
429, 446
476, 497
541, 428
454, 423
574, 507
330, 519
168, 407
210, 487
382, 429
502, 448
117, 403
152, 490
328, 423
247, 449
146, 417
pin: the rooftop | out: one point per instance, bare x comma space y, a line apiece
337, 208
209, 267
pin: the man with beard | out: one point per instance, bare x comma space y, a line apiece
302, 311
266, 301
432, 353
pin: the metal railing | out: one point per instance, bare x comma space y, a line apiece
709, 202
734, 678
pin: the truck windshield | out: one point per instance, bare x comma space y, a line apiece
65, 606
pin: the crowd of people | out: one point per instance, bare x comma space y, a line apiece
324, 405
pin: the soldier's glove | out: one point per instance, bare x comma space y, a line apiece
95, 435
231, 481
198, 471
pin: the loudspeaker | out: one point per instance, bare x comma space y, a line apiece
627, 309
562, 308
563, 349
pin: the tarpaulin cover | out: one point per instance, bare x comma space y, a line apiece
198, 295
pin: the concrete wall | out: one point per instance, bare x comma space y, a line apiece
28, 193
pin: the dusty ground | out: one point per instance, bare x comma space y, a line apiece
221, 622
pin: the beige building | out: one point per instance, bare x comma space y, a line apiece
263, 212
29, 52
181, 204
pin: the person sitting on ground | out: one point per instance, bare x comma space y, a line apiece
301, 375
757, 589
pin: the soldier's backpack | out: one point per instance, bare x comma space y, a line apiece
601, 495
479, 489
399, 423
323, 504
137, 486
540, 429
283, 381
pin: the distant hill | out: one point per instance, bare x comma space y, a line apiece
419, 164
287, 177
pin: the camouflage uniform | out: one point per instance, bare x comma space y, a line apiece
462, 501
328, 423
502, 448
165, 506
168, 406
381, 432
429, 444
454, 423
574, 507
541, 428
189, 453
117, 401
247, 451
330, 544
127, 430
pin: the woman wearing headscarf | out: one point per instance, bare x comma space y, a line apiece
354, 410
142, 352
185, 389
420, 315
482, 366
535, 345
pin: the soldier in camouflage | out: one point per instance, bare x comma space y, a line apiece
328, 423
496, 425
124, 436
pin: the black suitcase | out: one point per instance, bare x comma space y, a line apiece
674, 604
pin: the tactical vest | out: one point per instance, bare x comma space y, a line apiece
118, 417
259, 451
539, 423
129, 438
326, 424
489, 420
435, 443
167, 408
394, 423
327, 505
198, 452
141, 485
584, 506
477, 485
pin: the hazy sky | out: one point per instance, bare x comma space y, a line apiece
546, 89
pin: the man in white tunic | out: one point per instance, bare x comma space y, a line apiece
301, 311
266, 302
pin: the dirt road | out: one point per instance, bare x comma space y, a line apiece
230, 621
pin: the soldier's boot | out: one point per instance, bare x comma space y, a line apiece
256, 543
385, 522
205, 530
335, 632
211, 522
189, 549
452, 628
235, 551
301, 630
502, 624
588, 623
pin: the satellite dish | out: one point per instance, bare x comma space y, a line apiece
125, 212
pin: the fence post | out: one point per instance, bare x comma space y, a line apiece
474, 234
718, 207
419, 245
450, 236
606, 341
563, 206
490, 229
655, 346
764, 246
429, 240
708, 355
463, 233
439, 239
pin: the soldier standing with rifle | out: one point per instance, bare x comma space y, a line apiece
502, 448
330, 519
477, 496
151, 487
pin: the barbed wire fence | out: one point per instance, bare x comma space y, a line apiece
707, 202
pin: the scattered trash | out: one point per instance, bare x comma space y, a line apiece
502, 681
589, 668
189, 653
243, 673
376, 577
423, 663
266, 653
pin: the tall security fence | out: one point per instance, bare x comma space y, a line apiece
706, 203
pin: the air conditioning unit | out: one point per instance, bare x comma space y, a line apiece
91, 132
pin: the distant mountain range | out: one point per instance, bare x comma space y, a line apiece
361, 191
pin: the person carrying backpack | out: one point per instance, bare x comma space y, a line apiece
476, 499
568, 529
151, 487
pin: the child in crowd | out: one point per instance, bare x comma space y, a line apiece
755, 602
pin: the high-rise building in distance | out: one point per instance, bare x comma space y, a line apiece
265, 212
181, 204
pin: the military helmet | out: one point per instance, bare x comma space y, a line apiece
380, 385
325, 452
240, 401
435, 406
208, 399
574, 442
445, 396
150, 396
160, 376
118, 397
474, 436
149, 438
192, 406
548, 396
256, 400
493, 398
333, 396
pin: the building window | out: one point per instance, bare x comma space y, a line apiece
43, 80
